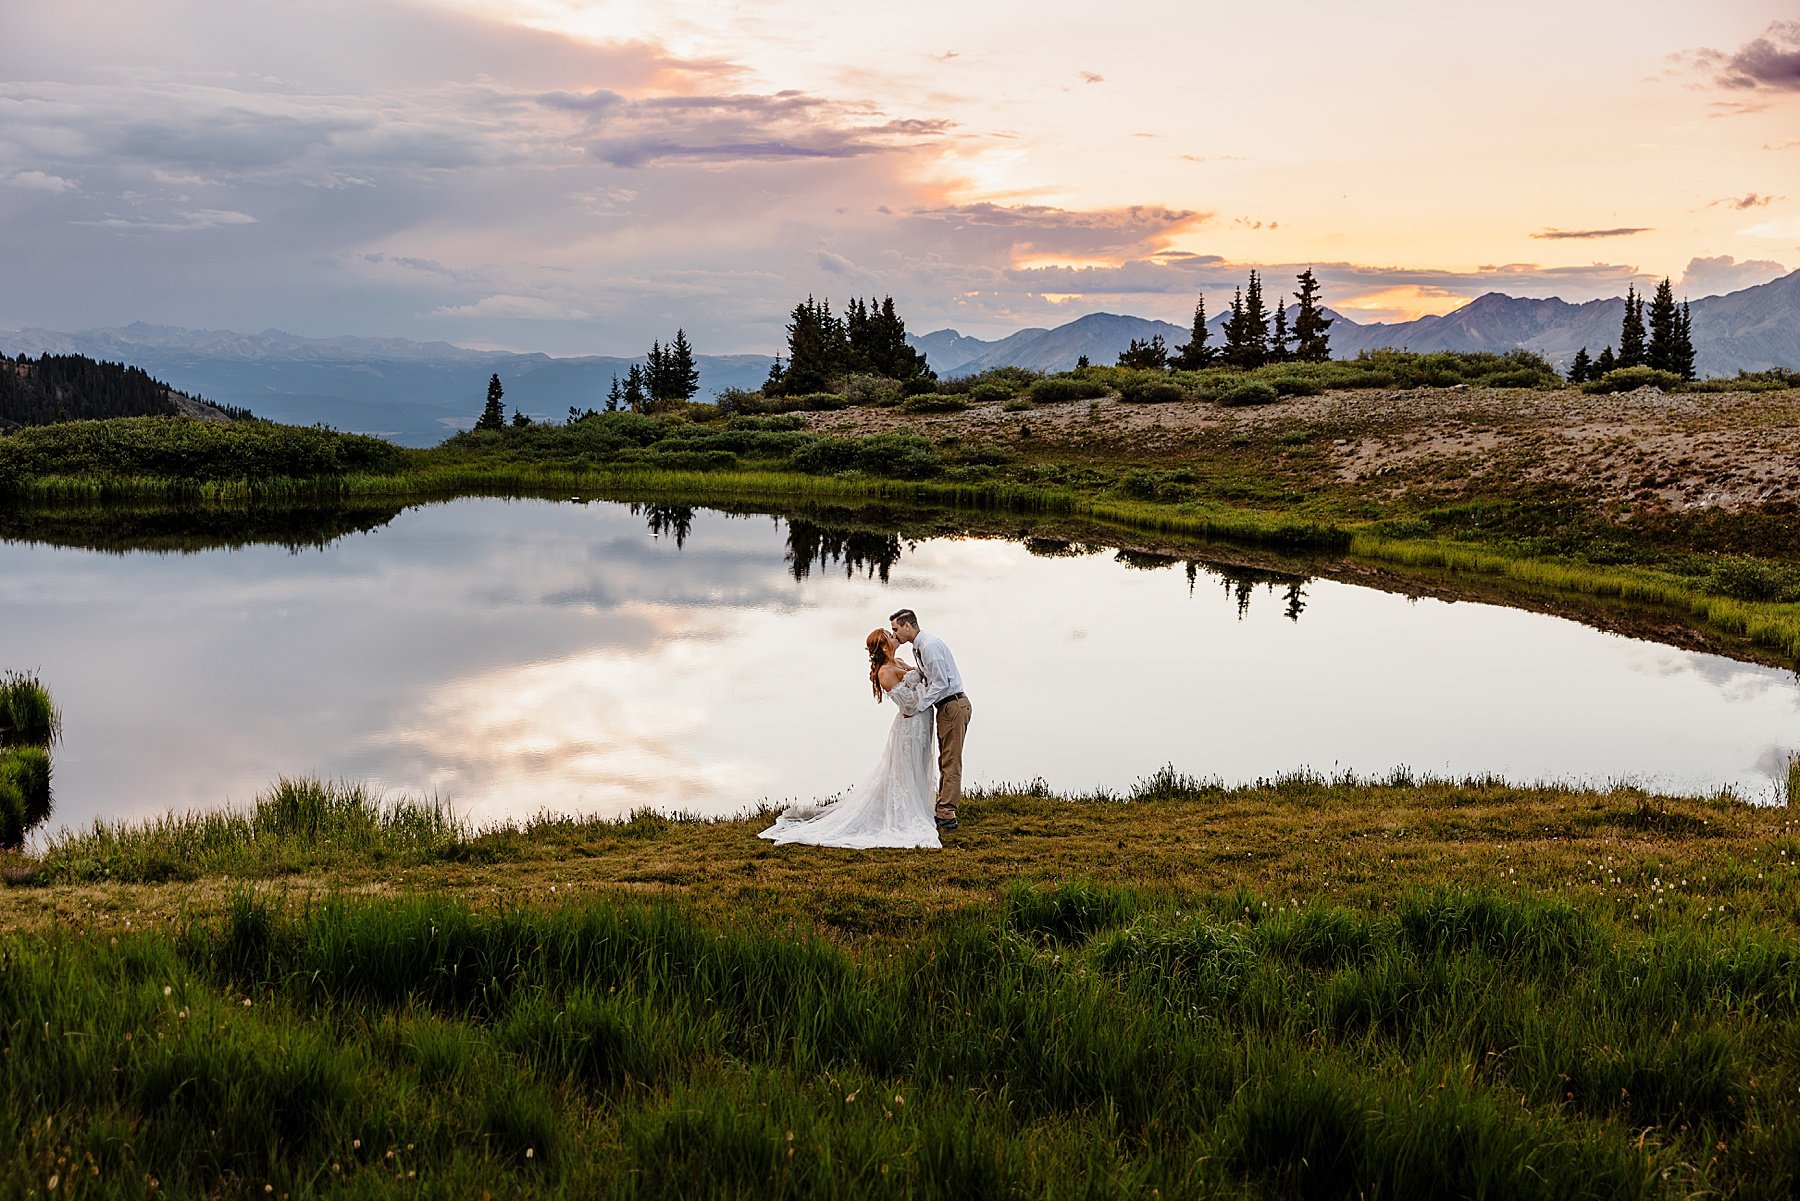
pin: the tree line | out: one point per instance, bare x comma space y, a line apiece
1254, 336
1663, 341
73, 387
822, 348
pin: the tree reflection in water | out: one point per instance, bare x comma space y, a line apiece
674, 521
874, 553
869, 551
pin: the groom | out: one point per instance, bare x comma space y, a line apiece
943, 688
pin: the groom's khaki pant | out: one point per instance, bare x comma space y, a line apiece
952, 725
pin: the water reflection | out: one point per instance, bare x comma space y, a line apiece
517, 656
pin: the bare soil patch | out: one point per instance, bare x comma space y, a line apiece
1644, 449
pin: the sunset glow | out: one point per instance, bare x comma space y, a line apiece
579, 177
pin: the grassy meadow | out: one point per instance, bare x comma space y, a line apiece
1317, 988
1306, 987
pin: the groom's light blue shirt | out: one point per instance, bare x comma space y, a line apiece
939, 666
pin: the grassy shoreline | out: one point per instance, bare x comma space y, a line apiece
1309, 987
1735, 577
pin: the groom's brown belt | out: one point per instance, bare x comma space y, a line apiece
954, 696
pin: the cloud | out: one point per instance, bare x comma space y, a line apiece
39, 181
1768, 63
1722, 273
1750, 200
735, 128
1562, 234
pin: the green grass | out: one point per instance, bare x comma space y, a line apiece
1069, 1041
1315, 987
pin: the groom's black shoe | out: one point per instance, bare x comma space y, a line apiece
946, 823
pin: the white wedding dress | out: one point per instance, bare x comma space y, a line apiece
893, 807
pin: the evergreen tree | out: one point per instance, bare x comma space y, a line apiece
520, 421
1247, 329
1631, 331
1665, 328
1256, 319
614, 396
656, 372
1683, 361
818, 349
1194, 354
684, 377
772, 385
1605, 363
1581, 367
493, 414
1081, 362
1312, 341
635, 396
1146, 356
1279, 339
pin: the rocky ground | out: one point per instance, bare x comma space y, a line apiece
1682, 451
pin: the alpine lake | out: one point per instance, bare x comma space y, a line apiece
516, 657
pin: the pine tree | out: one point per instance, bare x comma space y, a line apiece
1631, 331
1581, 367
1279, 339
1683, 361
656, 371
1247, 329
1605, 363
614, 396
1233, 351
772, 385
684, 377
1312, 341
818, 349
1256, 320
520, 421
1146, 356
1665, 328
493, 414
1194, 354
1082, 361
635, 396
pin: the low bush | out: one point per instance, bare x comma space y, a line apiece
988, 391
1059, 388
1152, 391
1630, 379
1249, 392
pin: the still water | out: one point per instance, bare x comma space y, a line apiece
513, 657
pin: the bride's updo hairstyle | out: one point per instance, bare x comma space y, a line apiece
876, 644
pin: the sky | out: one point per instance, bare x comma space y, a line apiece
579, 178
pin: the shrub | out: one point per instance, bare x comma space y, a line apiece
872, 390
903, 456
1249, 392
29, 725
1151, 391
732, 401
1064, 388
934, 402
1630, 379
988, 391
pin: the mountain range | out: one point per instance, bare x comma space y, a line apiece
414, 393
1748, 330
417, 393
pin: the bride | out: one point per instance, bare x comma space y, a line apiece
893, 806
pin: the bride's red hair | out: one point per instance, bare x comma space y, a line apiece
877, 646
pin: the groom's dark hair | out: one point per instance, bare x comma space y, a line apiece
906, 615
